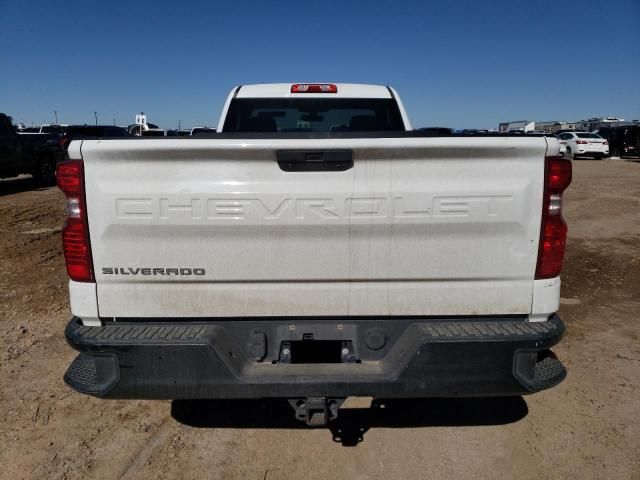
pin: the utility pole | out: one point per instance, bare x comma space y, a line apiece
95, 114
179, 125
55, 114
114, 122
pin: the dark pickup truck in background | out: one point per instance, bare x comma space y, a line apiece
624, 140
31, 153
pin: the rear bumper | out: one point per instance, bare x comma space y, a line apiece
388, 358
592, 151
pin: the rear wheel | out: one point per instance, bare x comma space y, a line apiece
45, 173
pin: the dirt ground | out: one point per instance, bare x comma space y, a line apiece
587, 428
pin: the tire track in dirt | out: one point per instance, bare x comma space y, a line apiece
143, 455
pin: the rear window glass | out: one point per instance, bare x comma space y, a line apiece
588, 135
313, 115
198, 131
53, 129
115, 132
153, 133
79, 132
89, 131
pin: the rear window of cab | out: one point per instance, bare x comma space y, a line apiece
588, 135
249, 115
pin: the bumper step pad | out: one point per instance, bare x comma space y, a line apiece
548, 372
83, 371
94, 374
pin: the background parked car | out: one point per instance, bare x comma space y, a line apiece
158, 132
623, 140
436, 131
78, 132
584, 143
202, 130
53, 128
34, 153
137, 128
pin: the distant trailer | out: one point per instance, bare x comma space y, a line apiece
555, 126
526, 126
593, 124
517, 126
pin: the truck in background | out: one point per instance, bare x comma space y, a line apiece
624, 139
36, 154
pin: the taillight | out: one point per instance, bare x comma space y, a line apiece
582, 142
314, 88
75, 233
553, 230
605, 143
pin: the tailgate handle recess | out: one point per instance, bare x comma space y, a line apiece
315, 160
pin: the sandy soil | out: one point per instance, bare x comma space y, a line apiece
588, 427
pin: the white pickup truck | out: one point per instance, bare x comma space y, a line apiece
314, 248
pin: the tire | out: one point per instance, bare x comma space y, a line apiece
615, 152
45, 174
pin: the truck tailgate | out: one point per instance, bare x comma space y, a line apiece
215, 228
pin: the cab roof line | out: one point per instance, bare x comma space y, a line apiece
393, 97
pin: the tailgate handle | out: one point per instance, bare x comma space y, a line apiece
315, 160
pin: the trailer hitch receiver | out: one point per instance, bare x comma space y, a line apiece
316, 411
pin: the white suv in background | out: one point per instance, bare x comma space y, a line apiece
584, 143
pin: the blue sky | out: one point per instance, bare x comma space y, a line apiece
459, 64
